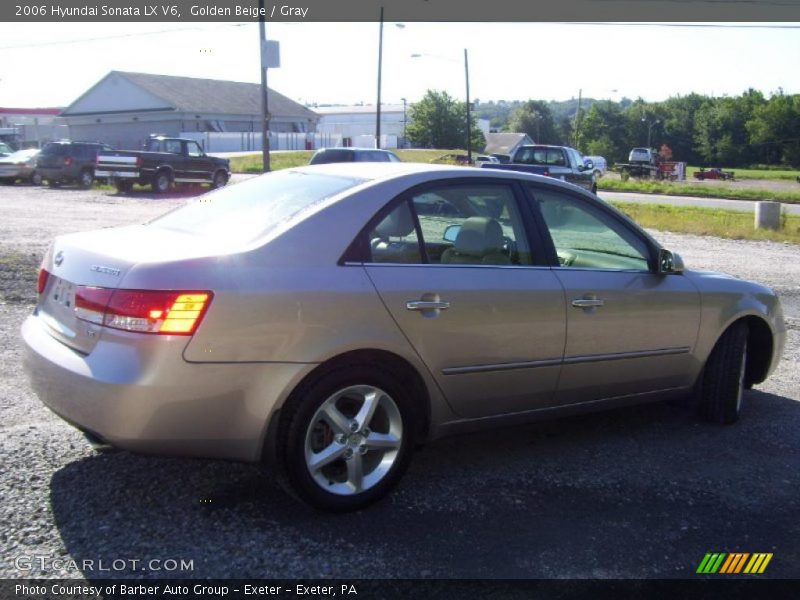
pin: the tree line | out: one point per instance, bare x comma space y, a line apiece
744, 130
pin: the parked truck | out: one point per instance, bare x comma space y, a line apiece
164, 162
560, 162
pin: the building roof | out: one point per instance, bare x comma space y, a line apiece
192, 94
504, 143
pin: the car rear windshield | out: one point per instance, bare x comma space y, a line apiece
332, 156
248, 210
55, 149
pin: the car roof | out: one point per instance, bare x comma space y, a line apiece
384, 171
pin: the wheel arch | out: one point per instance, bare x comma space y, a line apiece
760, 346
398, 366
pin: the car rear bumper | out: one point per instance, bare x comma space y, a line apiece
56, 174
139, 394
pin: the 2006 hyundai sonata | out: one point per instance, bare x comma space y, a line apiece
330, 318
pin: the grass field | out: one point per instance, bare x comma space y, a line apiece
285, 160
698, 190
753, 173
730, 224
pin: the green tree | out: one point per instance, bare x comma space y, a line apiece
439, 121
534, 118
602, 132
774, 130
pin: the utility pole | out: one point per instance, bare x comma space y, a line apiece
262, 31
578, 120
380, 66
469, 114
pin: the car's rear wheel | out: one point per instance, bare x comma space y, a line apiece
162, 182
53, 183
722, 382
36, 178
346, 439
85, 179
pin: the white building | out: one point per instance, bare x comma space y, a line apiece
356, 124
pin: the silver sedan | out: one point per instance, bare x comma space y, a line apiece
328, 319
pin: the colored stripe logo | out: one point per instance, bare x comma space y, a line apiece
734, 563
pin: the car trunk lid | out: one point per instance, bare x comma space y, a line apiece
101, 259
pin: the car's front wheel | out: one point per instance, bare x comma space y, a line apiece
220, 179
346, 439
722, 382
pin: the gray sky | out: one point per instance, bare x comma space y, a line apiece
51, 64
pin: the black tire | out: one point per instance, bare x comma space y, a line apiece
722, 381
36, 178
220, 179
85, 179
594, 187
296, 426
162, 182
123, 186
53, 184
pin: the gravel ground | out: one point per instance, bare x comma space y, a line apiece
636, 492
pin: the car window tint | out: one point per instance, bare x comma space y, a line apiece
172, 146
586, 237
332, 156
477, 224
394, 239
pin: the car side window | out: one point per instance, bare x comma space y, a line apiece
172, 146
472, 224
394, 239
193, 149
586, 237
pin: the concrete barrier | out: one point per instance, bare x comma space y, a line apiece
768, 215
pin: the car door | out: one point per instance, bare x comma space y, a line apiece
578, 174
630, 330
455, 267
198, 167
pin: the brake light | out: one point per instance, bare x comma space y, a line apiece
67, 161
546, 173
41, 283
138, 162
144, 311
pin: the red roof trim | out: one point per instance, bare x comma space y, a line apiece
31, 111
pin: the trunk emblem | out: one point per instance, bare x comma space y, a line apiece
106, 270
59, 258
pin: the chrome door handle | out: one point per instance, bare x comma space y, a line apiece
587, 302
427, 305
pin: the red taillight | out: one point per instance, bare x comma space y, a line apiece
67, 161
145, 311
138, 162
42, 281
546, 173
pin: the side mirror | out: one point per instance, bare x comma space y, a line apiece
451, 233
588, 165
669, 262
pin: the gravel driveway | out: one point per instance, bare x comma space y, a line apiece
636, 492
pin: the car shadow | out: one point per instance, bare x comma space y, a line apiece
638, 492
